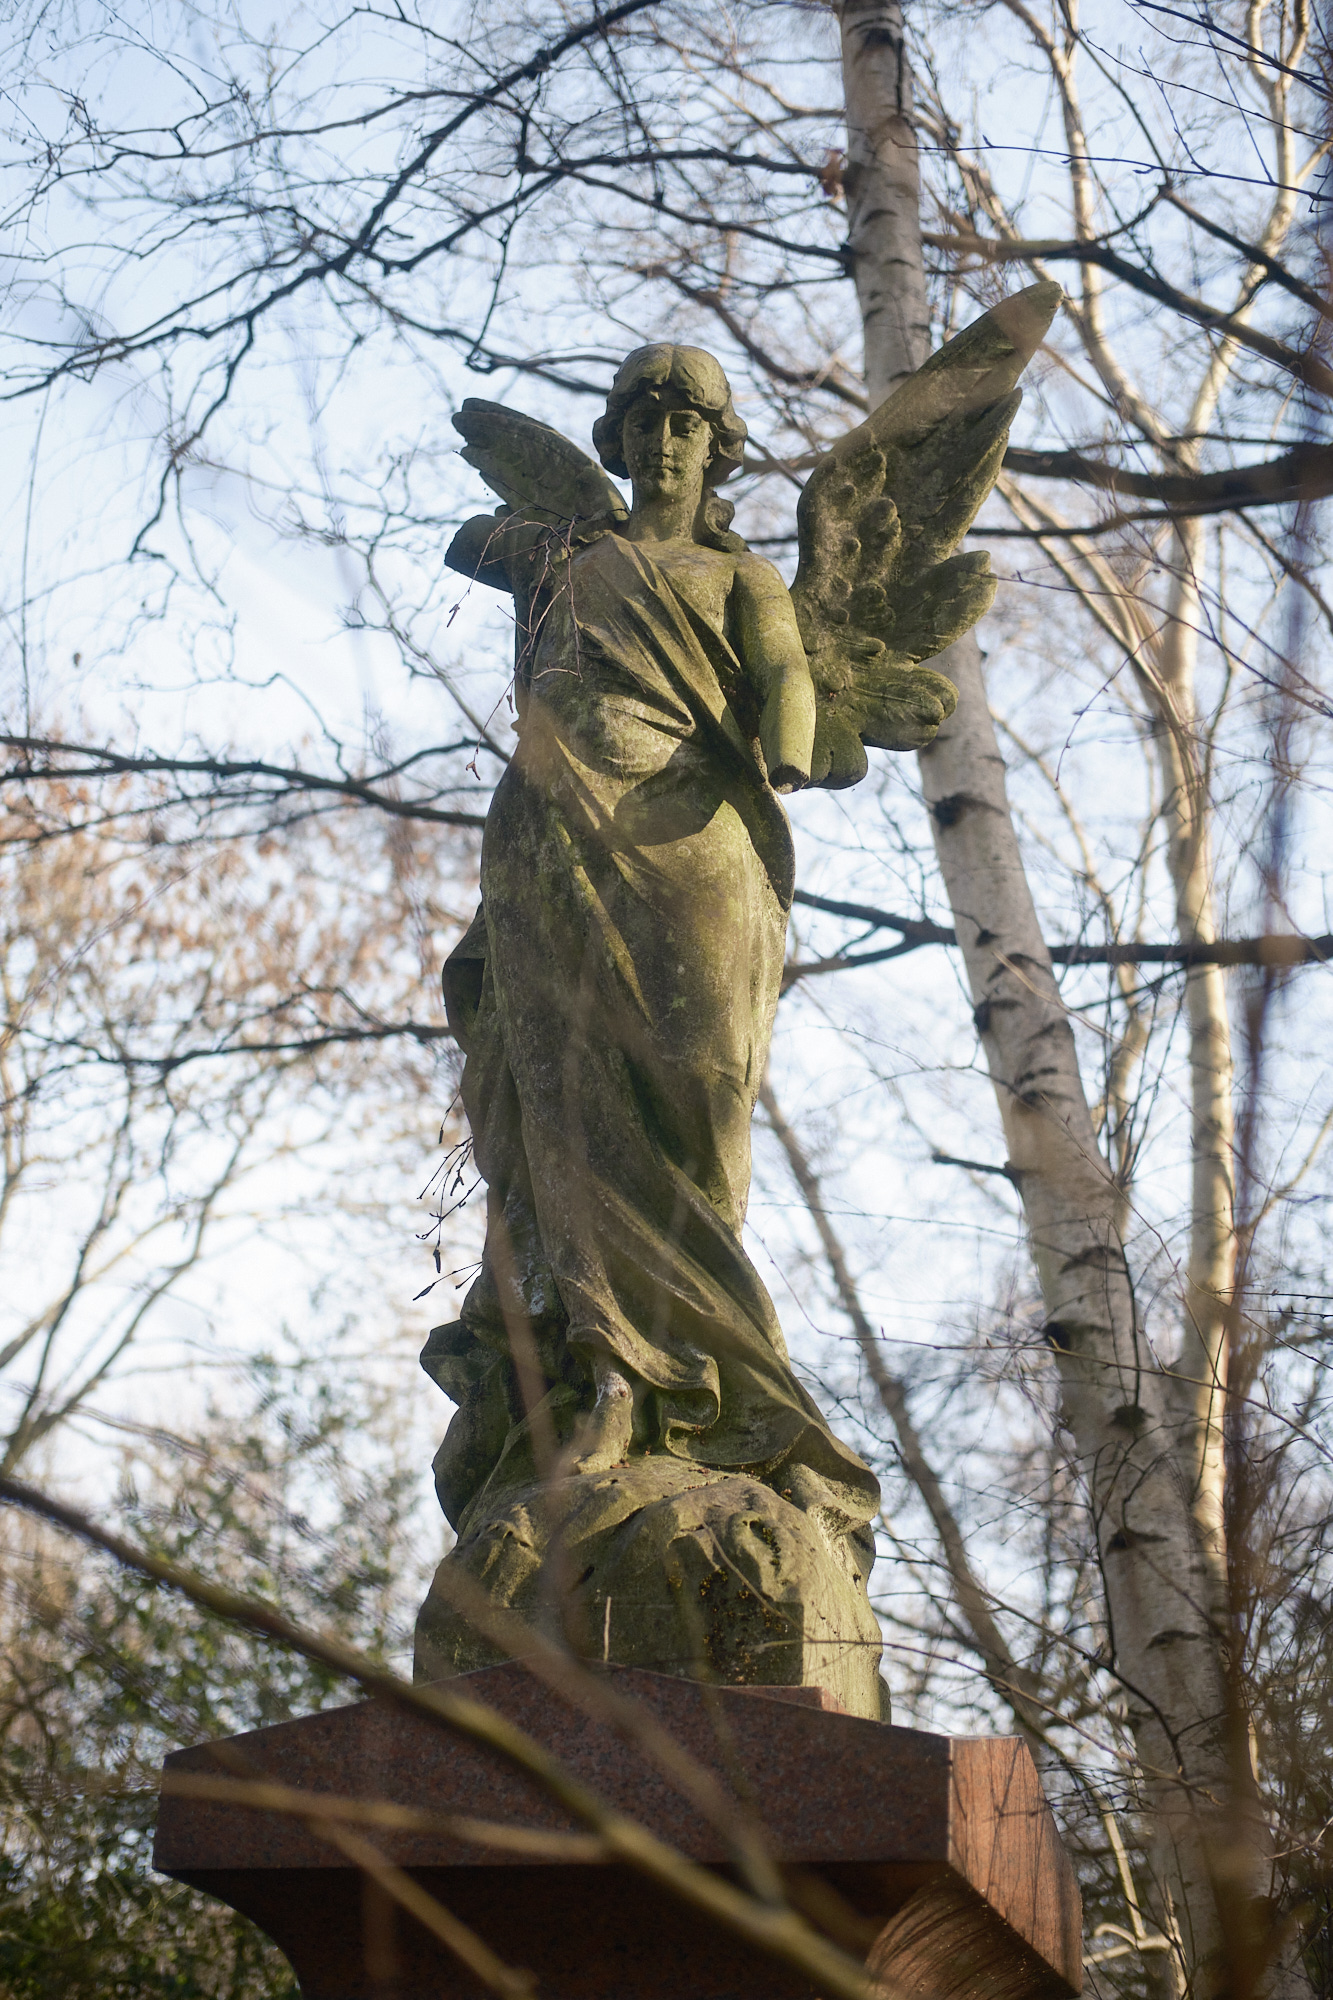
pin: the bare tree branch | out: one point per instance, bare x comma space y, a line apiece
1278, 951
1008, 1678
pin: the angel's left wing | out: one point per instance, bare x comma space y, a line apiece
879, 587
545, 482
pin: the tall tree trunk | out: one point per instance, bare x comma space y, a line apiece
1168, 1649
1200, 1370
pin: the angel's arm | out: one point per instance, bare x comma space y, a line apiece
773, 656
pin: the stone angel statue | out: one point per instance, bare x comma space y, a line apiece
615, 995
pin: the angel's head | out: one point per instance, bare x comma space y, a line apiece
671, 429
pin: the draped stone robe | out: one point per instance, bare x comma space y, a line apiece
614, 999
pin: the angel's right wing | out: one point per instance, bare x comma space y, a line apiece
545, 482
879, 587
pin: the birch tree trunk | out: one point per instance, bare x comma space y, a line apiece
1199, 1384
1169, 1650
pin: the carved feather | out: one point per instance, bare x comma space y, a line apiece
879, 587
531, 466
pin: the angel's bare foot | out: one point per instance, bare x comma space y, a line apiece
608, 1428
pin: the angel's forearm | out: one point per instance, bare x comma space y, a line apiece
774, 657
787, 727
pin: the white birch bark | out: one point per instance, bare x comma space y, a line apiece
1158, 1586
1200, 1368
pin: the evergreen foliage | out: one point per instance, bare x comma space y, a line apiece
108, 1674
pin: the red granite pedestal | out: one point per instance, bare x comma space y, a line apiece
944, 1845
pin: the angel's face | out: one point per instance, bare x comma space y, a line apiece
666, 449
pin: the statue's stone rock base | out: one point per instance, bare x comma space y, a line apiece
948, 1871
661, 1564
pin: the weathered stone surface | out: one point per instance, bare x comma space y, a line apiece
614, 1000
678, 1568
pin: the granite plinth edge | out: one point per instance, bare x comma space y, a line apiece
945, 1847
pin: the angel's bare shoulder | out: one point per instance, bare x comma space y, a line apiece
761, 605
759, 577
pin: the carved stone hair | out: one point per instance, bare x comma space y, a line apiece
698, 379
